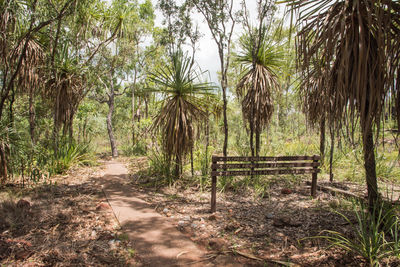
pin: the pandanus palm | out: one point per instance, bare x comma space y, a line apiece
261, 61
182, 106
359, 42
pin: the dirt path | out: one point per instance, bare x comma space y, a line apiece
155, 238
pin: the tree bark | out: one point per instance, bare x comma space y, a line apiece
11, 107
322, 140
224, 85
191, 161
133, 112
3, 164
133, 108
252, 138
177, 166
331, 155
258, 140
110, 103
370, 166
207, 140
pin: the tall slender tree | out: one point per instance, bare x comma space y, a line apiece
358, 41
221, 21
261, 62
182, 106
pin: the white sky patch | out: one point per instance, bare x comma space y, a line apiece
206, 54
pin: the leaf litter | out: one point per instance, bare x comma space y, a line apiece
64, 223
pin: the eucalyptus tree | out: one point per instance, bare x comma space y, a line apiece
221, 20
359, 42
117, 61
182, 106
261, 61
139, 30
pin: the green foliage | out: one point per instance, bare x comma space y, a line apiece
377, 233
160, 166
70, 154
139, 149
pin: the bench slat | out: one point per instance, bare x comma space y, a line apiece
264, 172
225, 166
281, 158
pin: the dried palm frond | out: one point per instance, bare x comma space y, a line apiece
261, 61
182, 106
29, 74
65, 89
358, 41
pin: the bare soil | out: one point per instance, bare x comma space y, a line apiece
276, 228
66, 223
69, 222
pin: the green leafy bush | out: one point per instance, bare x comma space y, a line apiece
376, 233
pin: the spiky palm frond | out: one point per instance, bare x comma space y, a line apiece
66, 88
260, 78
359, 42
182, 107
359, 45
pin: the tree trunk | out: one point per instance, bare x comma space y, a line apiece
370, 166
207, 140
110, 102
146, 107
322, 140
11, 108
3, 165
177, 166
258, 140
32, 117
191, 161
133, 115
225, 103
71, 128
133, 108
331, 154
252, 138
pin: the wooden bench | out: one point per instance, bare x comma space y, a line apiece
246, 166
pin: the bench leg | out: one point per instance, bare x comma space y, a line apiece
214, 194
314, 185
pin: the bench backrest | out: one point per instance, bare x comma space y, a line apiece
242, 166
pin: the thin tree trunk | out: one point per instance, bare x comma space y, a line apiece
133, 117
3, 165
258, 141
177, 166
252, 138
32, 117
331, 155
133, 109
191, 161
322, 140
370, 167
207, 140
146, 107
110, 102
225, 101
11, 108
84, 134
138, 114
71, 128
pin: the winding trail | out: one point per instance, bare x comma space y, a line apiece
155, 238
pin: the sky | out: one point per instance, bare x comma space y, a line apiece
207, 54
